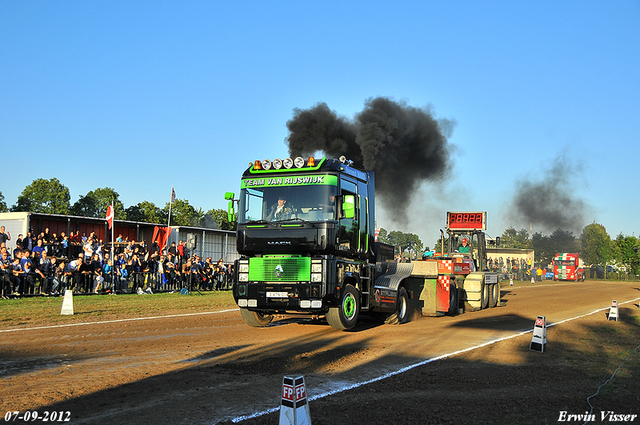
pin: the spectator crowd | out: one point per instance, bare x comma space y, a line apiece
48, 264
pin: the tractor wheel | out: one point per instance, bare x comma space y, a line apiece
485, 294
255, 319
345, 316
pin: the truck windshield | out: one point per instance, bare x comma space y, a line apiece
310, 203
564, 263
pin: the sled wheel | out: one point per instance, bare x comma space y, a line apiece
401, 315
453, 299
255, 318
494, 294
345, 316
484, 288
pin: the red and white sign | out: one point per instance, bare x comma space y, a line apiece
294, 409
445, 266
461, 268
293, 394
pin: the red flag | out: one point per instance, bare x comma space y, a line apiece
161, 235
110, 216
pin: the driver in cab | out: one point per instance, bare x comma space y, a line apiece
279, 211
464, 247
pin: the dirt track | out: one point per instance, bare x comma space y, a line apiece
210, 368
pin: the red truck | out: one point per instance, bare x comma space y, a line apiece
566, 266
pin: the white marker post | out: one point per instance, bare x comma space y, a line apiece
294, 409
613, 311
539, 338
67, 303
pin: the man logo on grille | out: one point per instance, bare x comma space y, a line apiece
279, 270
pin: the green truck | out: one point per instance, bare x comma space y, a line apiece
306, 236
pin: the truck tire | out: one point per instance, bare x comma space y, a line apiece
345, 316
453, 299
401, 315
255, 319
494, 295
485, 295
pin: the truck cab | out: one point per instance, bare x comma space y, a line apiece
566, 266
306, 235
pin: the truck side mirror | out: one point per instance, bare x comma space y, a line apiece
349, 206
231, 213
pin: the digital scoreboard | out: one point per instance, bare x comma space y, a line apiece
467, 220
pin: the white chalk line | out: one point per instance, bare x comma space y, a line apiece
421, 363
103, 322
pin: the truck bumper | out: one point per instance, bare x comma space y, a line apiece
299, 297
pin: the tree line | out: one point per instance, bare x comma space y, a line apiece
50, 196
594, 245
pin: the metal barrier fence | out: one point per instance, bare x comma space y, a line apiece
32, 284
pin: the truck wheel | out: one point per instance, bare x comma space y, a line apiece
401, 315
254, 318
453, 299
345, 316
494, 294
485, 294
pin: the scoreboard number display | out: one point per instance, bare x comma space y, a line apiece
467, 220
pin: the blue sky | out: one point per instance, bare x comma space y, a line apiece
139, 96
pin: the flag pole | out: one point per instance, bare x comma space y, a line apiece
170, 202
113, 242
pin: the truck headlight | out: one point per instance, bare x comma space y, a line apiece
316, 270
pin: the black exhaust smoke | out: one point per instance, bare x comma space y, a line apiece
551, 203
405, 146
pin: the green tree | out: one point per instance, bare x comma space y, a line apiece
147, 212
546, 247
183, 214
438, 245
3, 206
597, 247
628, 254
383, 235
406, 241
564, 241
512, 238
44, 196
217, 219
544, 250
95, 204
